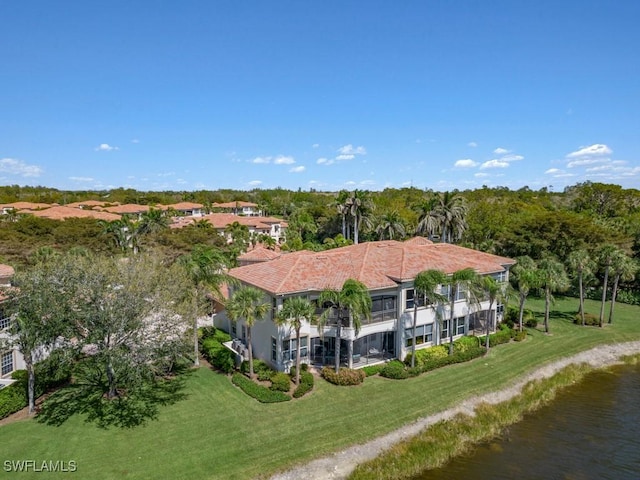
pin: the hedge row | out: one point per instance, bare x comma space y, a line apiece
260, 393
13, 398
345, 376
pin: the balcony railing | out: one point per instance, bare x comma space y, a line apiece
376, 317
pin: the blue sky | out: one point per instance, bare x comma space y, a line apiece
319, 94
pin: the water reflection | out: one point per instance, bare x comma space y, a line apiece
591, 431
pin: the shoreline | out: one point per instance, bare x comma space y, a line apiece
341, 464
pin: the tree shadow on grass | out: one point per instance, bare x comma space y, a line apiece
129, 409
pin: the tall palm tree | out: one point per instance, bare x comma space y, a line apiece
247, 303
391, 225
342, 207
352, 302
493, 291
152, 221
360, 207
206, 266
582, 265
624, 268
526, 274
461, 280
428, 218
424, 291
553, 278
451, 212
294, 311
606, 254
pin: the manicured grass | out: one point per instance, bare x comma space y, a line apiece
219, 432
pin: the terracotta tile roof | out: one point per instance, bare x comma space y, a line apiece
182, 206
234, 204
127, 208
60, 213
220, 220
6, 270
259, 254
25, 205
87, 203
376, 264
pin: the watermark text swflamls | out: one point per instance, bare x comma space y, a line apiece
40, 466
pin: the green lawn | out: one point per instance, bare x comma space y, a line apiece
219, 432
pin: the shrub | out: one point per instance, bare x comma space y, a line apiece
372, 370
218, 355
346, 376
303, 368
426, 354
520, 336
531, 323
501, 336
306, 384
589, 319
465, 343
260, 393
395, 370
206, 332
280, 382
13, 398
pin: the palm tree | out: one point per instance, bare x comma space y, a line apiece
342, 207
580, 262
247, 303
493, 291
451, 212
461, 280
624, 268
428, 220
360, 207
152, 221
206, 266
391, 224
606, 255
424, 288
293, 312
352, 302
553, 278
527, 277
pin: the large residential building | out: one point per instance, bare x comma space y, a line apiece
388, 269
10, 358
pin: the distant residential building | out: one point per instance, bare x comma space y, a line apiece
239, 208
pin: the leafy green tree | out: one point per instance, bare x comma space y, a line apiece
294, 311
206, 267
582, 266
460, 281
527, 277
247, 303
152, 221
424, 291
39, 313
352, 302
553, 278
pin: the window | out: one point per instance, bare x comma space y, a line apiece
383, 307
445, 329
409, 302
274, 349
7, 363
458, 327
500, 276
445, 290
289, 348
4, 321
424, 334
459, 323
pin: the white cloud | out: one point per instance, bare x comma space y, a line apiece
345, 156
135, 140
552, 170
261, 160
351, 150
325, 161
284, 160
586, 161
315, 145
512, 158
81, 179
595, 150
105, 147
494, 164
298, 169
13, 166
480, 175
472, 144
255, 183
465, 163
501, 151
